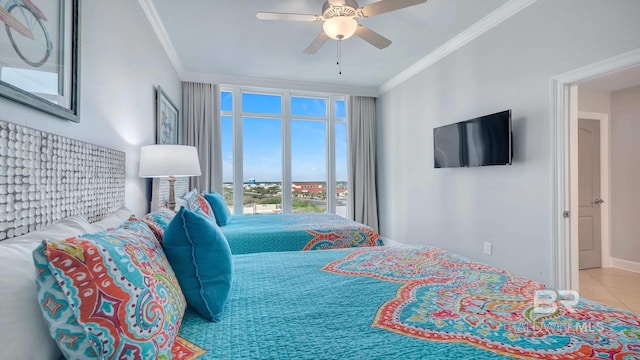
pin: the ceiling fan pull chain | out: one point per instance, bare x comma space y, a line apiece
339, 63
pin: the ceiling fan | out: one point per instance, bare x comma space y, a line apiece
339, 20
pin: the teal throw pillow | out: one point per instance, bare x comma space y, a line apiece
200, 257
220, 208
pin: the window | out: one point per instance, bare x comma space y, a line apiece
308, 166
283, 152
262, 165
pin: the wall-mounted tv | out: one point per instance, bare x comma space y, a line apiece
481, 141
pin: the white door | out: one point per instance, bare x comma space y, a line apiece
589, 214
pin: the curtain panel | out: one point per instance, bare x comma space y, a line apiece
363, 203
201, 128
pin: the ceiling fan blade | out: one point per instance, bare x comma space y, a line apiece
385, 6
286, 16
372, 37
316, 44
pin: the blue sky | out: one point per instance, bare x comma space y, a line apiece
262, 139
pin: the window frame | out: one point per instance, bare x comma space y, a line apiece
237, 116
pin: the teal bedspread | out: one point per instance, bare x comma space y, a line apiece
393, 303
296, 232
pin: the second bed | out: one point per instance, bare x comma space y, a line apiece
296, 232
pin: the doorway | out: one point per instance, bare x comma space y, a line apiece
601, 166
564, 113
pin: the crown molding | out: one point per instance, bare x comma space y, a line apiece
276, 84
616, 63
485, 24
158, 27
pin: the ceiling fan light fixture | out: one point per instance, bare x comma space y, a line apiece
340, 27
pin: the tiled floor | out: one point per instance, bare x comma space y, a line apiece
611, 286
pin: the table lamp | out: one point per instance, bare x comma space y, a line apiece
169, 161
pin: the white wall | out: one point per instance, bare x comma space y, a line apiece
121, 63
625, 174
508, 67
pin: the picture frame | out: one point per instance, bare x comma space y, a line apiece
40, 55
168, 123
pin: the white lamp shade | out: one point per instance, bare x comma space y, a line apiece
340, 27
169, 160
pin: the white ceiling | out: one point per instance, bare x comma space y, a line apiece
224, 38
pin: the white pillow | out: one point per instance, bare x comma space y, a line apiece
24, 330
192, 199
114, 220
181, 203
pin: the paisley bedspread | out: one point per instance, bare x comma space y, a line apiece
399, 303
295, 232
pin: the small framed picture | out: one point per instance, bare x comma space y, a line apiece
167, 119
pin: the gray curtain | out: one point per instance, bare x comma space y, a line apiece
201, 128
363, 203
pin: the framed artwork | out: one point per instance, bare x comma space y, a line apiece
39, 55
167, 119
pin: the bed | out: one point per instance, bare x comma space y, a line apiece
410, 303
282, 232
353, 303
296, 232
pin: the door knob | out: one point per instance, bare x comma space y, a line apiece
598, 201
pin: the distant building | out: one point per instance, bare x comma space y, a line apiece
305, 189
313, 189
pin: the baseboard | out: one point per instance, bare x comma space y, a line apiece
625, 265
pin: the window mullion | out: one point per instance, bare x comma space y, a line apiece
331, 156
349, 183
286, 153
238, 182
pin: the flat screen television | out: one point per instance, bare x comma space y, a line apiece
481, 141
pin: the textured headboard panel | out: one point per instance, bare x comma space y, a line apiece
46, 177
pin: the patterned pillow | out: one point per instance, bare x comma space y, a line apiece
109, 295
158, 221
204, 208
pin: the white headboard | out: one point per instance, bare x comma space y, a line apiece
46, 177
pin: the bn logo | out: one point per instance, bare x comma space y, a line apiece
546, 301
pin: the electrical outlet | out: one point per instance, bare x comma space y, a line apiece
487, 248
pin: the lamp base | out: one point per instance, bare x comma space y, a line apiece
171, 204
